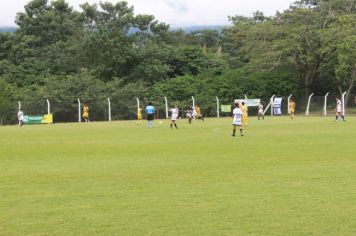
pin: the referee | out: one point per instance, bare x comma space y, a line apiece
150, 110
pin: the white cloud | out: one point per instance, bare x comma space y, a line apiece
174, 12
206, 12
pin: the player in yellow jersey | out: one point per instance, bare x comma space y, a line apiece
139, 116
291, 106
244, 109
86, 112
199, 114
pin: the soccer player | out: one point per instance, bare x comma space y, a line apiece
291, 106
237, 120
199, 114
339, 109
244, 109
260, 111
150, 110
190, 115
86, 112
174, 116
139, 116
20, 117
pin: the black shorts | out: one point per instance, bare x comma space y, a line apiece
150, 117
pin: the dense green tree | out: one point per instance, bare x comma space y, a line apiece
7, 103
63, 93
340, 48
50, 22
106, 50
292, 42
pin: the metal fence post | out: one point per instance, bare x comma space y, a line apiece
343, 103
48, 107
79, 112
308, 106
325, 103
290, 96
109, 109
166, 104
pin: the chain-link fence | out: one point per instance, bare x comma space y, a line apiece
126, 109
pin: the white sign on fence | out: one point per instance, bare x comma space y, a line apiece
249, 102
277, 106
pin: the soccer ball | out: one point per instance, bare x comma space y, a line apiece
160, 122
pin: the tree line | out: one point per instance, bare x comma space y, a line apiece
105, 50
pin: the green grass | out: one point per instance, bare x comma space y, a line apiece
283, 178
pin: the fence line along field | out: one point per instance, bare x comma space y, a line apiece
283, 178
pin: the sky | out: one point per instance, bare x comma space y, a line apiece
177, 13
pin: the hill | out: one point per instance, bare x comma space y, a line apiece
7, 29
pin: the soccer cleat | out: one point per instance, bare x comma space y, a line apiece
233, 135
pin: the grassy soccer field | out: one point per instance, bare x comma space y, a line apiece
283, 178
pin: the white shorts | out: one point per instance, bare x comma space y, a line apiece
339, 111
237, 122
174, 118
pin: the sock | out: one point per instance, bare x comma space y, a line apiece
171, 126
337, 117
233, 132
241, 132
343, 117
176, 126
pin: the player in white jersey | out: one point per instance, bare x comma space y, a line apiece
260, 111
237, 119
190, 115
174, 116
339, 110
20, 117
